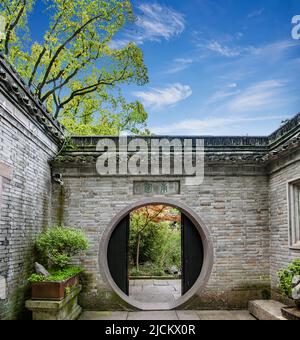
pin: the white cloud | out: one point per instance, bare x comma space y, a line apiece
225, 51
274, 50
228, 91
256, 13
154, 22
159, 21
271, 51
179, 64
240, 107
169, 96
258, 96
210, 126
118, 44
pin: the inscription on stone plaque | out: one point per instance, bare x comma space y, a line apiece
156, 188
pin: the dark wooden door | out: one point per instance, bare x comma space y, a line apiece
192, 254
118, 255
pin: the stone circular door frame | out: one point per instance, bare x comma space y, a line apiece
208, 250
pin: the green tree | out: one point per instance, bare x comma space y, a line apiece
155, 237
74, 71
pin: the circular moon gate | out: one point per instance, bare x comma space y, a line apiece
193, 286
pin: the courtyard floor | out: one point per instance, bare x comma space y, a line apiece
155, 291
162, 291
168, 315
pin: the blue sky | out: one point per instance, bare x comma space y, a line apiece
216, 67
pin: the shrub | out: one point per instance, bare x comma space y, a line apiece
58, 245
56, 275
148, 269
286, 277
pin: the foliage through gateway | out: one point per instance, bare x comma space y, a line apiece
155, 241
74, 70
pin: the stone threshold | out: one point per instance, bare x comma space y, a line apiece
176, 315
266, 310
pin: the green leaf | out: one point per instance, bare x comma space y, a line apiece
74, 71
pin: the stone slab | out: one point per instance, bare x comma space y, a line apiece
162, 283
168, 315
106, 316
143, 282
159, 290
242, 315
266, 310
187, 315
292, 314
135, 290
177, 296
181, 315
225, 315
150, 298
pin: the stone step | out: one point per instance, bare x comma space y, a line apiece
266, 310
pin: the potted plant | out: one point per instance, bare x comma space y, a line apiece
289, 279
55, 248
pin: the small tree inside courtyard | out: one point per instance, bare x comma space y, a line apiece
155, 240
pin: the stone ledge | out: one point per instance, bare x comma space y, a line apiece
67, 309
266, 310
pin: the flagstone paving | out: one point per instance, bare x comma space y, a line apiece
161, 291
168, 315
155, 291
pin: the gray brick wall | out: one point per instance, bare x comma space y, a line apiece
243, 204
232, 201
25, 208
281, 172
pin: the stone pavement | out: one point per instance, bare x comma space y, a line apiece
155, 291
168, 315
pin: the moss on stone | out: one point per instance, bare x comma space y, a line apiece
61, 204
104, 301
14, 307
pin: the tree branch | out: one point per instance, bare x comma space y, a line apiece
62, 84
60, 49
6, 6
44, 50
12, 26
92, 88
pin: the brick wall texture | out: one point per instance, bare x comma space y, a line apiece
244, 208
25, 204
233, 205
284, 171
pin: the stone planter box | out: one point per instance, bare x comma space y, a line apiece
291, 313
52, 291
66, 309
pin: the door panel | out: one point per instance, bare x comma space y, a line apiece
118, 255
192, 254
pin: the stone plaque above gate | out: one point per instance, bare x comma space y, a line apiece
149, 188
